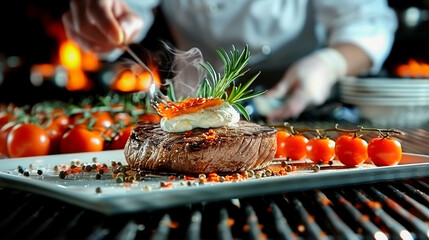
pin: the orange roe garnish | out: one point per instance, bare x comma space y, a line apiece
189, 178
187, 106
210, 135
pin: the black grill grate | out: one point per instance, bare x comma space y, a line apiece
385, 210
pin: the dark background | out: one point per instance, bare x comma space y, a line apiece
28, 37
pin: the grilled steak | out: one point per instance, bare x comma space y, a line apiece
227, 149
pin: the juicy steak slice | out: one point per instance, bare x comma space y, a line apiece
243, 146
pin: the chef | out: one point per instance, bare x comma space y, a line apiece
302, 46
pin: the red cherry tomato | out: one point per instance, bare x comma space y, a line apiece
102, 119
321, 150
281, 145
80, 139
4, 132
123, 117
5, 118
350, 150
119, 141
296, 146
54, 133
62, 121
27, 139
384, 151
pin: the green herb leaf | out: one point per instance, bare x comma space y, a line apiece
242, 110
216, 86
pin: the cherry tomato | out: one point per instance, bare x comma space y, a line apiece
123, 117
384, 151
54, 133
149, 117
296, 146
27, 139
350, 150
321, 150
80, 139
119, 141
281, 151
62, 121
4, 132
5, 118
102, 119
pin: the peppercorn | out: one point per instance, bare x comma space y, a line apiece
26, 173
331, 162
20, 170
289, 168
98, 176
72, 166
222, 179
94, 159
284, 164
98, 190
62, 174
316, 168
39, 172
100, 171
88, 168
120, 179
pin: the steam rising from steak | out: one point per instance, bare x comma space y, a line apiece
227, 149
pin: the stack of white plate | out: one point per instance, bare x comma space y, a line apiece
388, 101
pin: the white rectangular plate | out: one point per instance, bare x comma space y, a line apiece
117, 198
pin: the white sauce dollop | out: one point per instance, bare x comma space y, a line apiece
211, 117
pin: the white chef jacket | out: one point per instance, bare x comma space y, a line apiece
278, 32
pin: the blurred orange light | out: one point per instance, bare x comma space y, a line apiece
413, 69
45, 70
77, 80
70, 56
90, 62
128, 81
125, 82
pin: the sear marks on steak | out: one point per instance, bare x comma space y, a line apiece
243, 146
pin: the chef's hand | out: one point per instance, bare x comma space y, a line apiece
307, 83
101, 25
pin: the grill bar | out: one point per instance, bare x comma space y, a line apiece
384, 210
421, 229
309, 224
369, 229
342, 229
396, 230
281, 224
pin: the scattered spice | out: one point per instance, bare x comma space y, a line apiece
98, 190
26, 173
62, 174
39, 172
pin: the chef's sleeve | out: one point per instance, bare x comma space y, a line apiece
369, 24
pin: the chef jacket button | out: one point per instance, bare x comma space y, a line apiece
266, 50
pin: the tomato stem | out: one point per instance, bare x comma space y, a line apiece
357, 132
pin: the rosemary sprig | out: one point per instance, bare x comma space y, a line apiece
216, 86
